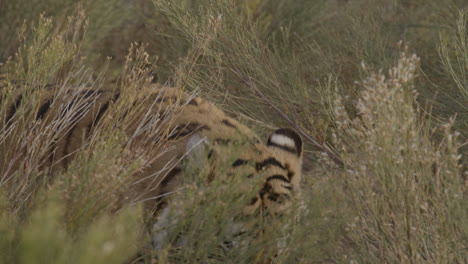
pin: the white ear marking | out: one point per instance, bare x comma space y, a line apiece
196, 150
194, 142
282, 140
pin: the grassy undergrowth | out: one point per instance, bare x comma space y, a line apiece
394, 190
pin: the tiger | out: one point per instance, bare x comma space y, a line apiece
190, 127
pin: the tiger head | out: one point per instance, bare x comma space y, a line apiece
274, 167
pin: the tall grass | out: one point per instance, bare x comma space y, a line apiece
315, 65
42, 238
453, 53
17, 18
48, 214
408, 189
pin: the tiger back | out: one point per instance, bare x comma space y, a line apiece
194, 123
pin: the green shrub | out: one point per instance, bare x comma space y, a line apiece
408, 190
42, 238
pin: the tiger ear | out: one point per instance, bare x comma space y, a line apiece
197, 155
196, 150
195, 143
286, 139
